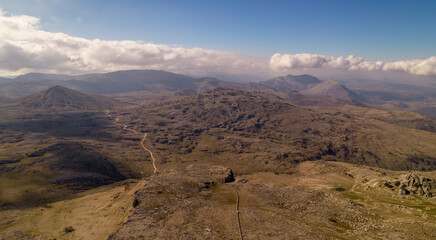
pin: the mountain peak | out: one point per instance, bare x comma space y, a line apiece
292, 82
58, 98
58, 88
332, 89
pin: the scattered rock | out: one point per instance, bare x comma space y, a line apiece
242, 180
196, 203
69, 229
171, 197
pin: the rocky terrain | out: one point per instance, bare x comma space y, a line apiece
384, 94
254, 127
229, 163
199, 203
318, 200
413, 184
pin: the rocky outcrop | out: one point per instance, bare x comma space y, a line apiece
196, 203
414, 184
165, 207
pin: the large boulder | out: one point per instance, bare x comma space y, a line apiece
412, 183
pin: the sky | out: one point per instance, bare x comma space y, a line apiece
238, 37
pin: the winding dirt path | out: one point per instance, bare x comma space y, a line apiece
142, 141
151, 153
155, 171
355, 182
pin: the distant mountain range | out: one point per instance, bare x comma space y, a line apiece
117, 82
42, 76
301, 89
152, 80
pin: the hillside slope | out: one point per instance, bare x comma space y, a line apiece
292, 82
265, 132
332, 89
60, 98
52, 173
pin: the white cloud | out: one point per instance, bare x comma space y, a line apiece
25, 47
286, 62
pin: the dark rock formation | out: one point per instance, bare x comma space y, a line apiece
412, 183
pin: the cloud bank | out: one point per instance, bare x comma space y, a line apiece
287, 62
25, 47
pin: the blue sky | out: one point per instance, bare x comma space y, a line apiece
375, 30
209, 37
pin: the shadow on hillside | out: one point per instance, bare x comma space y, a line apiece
50, 194
68, 124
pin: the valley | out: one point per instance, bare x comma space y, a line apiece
215, 161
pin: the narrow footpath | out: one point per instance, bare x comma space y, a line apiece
142, 141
